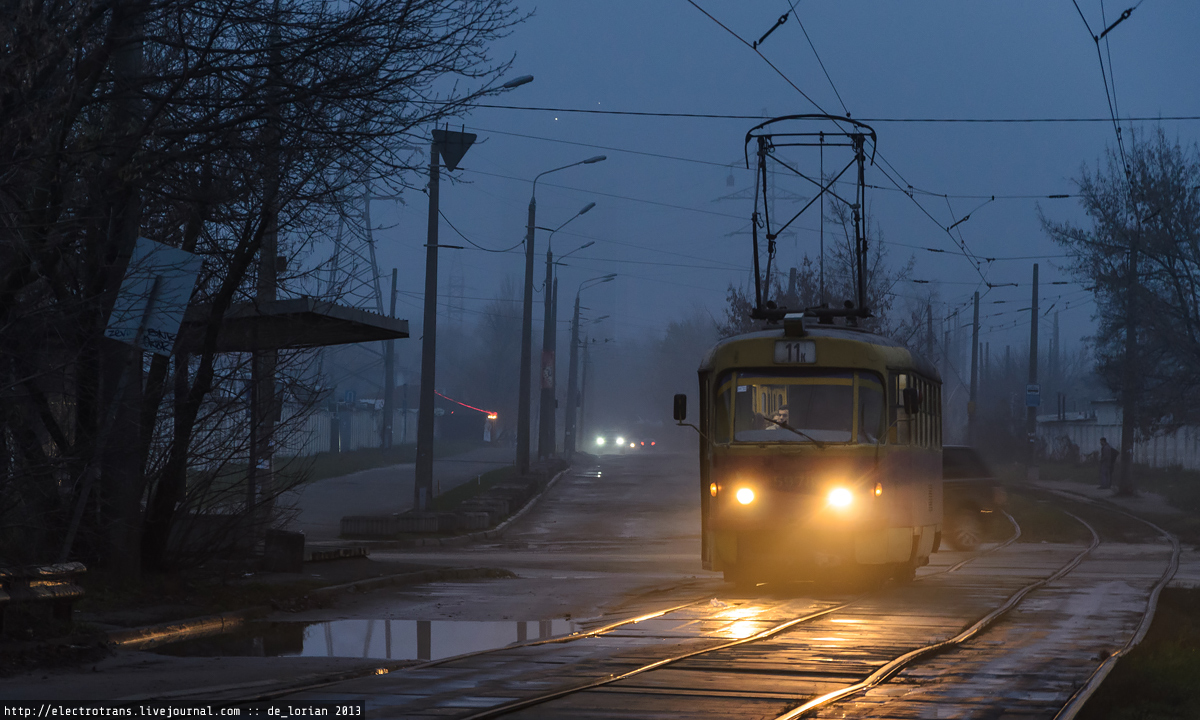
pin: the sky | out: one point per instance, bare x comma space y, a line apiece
660, 220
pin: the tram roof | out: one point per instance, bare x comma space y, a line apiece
919, 362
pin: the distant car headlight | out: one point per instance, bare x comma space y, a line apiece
840, 497
620, 440
599, 441
745, 495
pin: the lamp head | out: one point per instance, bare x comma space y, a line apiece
587, 207
517, 82
596, 159
588, 244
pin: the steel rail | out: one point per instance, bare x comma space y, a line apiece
337, 678
1080, 697
539, 699
1016, 536
520, 704
889, 669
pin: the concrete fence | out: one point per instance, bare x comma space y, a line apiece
1178, 449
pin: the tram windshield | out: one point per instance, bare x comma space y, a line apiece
822, 406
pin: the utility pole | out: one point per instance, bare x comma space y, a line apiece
572, 377
1054, 378
929, 331
523, 400
971, 430
389, 380
1032, 392
449, 146
583, 386
1129, 381
526, 350
553, 431
545, 445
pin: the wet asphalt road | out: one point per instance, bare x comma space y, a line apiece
618, 533
616, 530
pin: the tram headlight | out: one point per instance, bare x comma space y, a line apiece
599, 441
840, 497
744, 495
620, 440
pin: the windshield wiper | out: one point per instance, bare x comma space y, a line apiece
801, 433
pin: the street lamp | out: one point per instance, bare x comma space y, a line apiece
547, 415
572, 372
527, 324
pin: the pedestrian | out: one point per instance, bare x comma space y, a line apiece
1108, 459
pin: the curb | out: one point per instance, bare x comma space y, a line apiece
153, 635
466, 538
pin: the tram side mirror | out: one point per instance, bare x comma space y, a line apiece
912, 400
680, 407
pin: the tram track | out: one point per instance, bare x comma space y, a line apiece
657, 664
1065, 711
897, 664
798, 665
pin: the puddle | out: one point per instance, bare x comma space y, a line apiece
383, 639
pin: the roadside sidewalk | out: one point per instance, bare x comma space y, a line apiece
321, 505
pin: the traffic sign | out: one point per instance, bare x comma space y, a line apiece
1033, 396
452, 145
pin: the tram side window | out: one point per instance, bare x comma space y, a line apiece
937, 415
922, 428
900, 419
870, 408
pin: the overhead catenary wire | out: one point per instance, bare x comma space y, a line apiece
960, 243
726, 166
915, 120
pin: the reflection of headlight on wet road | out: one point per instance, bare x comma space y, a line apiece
745, 496
840, 497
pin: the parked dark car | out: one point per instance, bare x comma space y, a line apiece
970, 495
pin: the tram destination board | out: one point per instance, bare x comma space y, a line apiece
793, 352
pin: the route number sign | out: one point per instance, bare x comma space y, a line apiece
793, 352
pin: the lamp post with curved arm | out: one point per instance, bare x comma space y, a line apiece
527, 325
573, 370
547, 415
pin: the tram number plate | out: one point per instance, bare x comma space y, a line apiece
795, 351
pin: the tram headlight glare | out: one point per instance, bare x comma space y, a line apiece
599, 441
840, 497
620, 440
745, 495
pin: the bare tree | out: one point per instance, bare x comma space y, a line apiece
228, 129
1142, 257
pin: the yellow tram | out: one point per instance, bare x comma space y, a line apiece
820, 455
